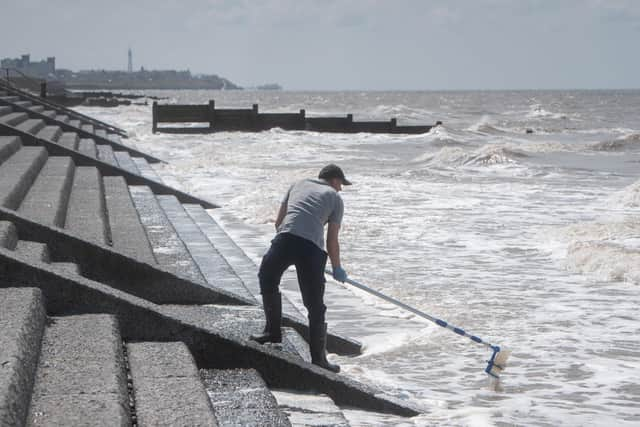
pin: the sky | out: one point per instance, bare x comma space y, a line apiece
342, 44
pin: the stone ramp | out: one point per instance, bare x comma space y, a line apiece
213, 266
53, 190
81, 375
17, 174
73, 370
240, 397
212, 348
48, 198
310, 410
22, 322
127, 233
85, 149
102, 264
63, 113
168, 249
86, 213
166, 386
39, 118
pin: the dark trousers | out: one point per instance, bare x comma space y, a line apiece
310, 261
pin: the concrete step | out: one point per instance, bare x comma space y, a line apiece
169, 250
23, 104
105, 153
8, 146
68, 267
211, 263
87, 146
242, 265
32, 251
81, 376
62, 118
145, 169
50, 113
167, 387
47, 199
115, 137
86, 214
37, 108
310, 409
13, 119
69, 140
8, 235
18, 173
50, 133
101, 133
239, 322
211, 347
87, 128
240, 397
125, 162
22, 322
32, 126
10, 98
4, 110
127, 233
75, 123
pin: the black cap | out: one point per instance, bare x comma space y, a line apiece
333, 171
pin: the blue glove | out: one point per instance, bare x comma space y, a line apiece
339, 274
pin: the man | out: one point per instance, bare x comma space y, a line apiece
307, 207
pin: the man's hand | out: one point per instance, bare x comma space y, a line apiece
339, 274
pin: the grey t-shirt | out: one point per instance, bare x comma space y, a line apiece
311, 203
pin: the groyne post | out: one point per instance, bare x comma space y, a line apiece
154, 111
211, 114
255, 120
393, 124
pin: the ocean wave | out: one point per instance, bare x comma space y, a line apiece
485, 156
608, 251
629, 197
631, 141
536, 111
484, 126
401, 112
607, 261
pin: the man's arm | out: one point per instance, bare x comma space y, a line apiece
281, 214
333, 246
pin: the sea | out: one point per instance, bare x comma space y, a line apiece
517, 220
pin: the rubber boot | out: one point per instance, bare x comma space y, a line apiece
318, 347
272, 304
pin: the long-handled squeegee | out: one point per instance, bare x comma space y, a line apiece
496, 364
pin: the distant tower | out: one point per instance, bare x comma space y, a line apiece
130, 67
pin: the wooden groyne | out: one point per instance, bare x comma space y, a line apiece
251, 120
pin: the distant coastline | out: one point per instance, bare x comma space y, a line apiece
24, 69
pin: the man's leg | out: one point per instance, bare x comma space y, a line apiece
310, 265
273, 265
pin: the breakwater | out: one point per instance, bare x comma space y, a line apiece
251, 120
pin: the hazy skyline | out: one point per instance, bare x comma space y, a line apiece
332, 44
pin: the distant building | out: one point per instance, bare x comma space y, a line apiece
44, 68
130, 65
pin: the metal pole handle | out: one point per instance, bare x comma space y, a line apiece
417, 312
